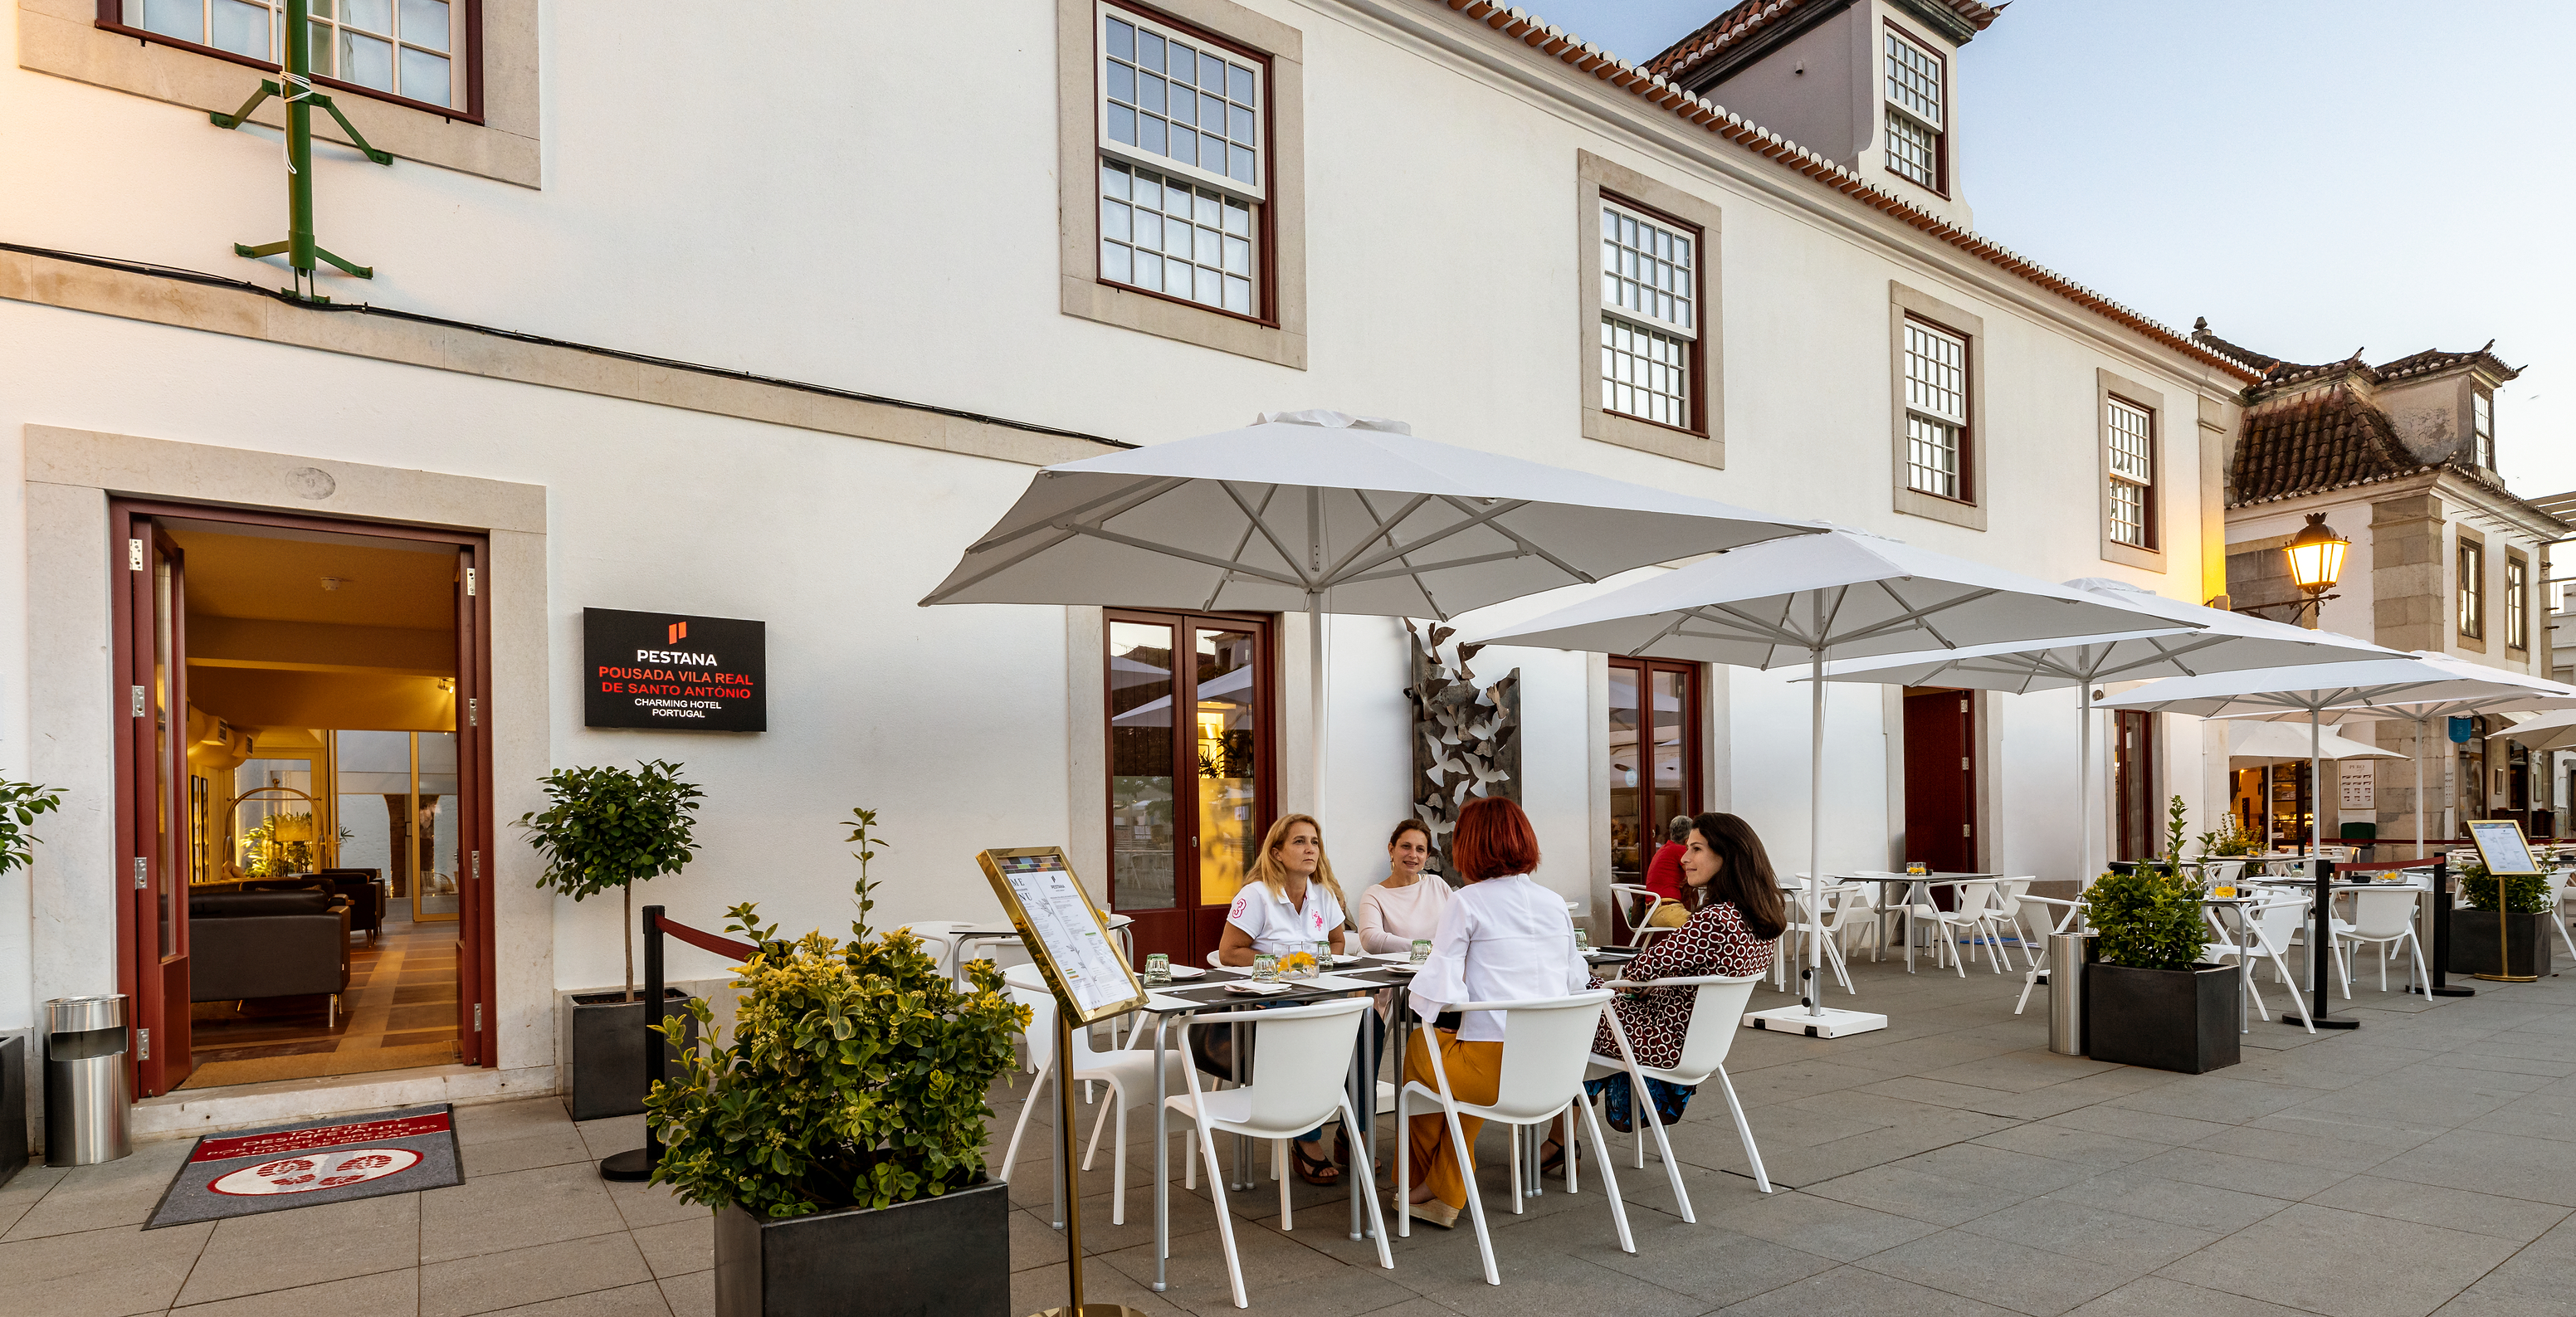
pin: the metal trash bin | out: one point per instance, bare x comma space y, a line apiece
2067, 953
86, 1099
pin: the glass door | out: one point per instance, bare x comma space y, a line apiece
156, 805
1654, 757
1189, 778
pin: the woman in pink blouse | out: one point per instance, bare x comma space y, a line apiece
1736, 916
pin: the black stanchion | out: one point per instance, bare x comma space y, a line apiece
2321, 955
2441, 967
637, 1163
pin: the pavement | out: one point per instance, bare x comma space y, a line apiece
2424, 1163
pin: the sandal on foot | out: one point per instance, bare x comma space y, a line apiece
1553, 1163
1434, 1211
1311, 1169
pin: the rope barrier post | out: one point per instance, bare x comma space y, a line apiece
636, 1164
2440, 970
2321, 953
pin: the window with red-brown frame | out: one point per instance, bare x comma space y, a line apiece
1184, 146
1917, 92
426, 54
1651, 308
1936, 411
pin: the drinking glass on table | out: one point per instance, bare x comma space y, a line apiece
1421, 950
1158, 968
1265, 969
1582, 941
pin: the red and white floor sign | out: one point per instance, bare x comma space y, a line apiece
327, 1170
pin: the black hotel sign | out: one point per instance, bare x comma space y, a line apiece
685, 674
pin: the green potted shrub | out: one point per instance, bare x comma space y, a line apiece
2149, 1000
20, 803
839, 1134
604, 829
2524, 924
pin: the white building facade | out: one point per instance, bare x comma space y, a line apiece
778, 348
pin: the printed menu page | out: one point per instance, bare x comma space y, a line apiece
2501, 844
1061, 918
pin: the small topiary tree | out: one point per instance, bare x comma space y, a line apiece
855, 1077
2525, 893
608, 828
2149, 918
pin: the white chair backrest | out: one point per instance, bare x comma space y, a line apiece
1975, 897
1847, 899
2008, 894
2382, 914
1041, 1030
1547, 1041
1713, 1026
2223, 871
1301, 1057
2276, 921
1636, 898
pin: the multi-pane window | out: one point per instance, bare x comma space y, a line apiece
2517, 602
406, 48
1936, 410
2482, 427
1649, 315
2133, 473
1181, 175
1915, 113
2473, 590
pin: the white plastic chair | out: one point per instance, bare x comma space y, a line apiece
1974, 916
1840, 900
2271, 923
2039, 970
2558, 909
1305, 1055
1547, 1043
2007, 914
2384, 919
1641, 904
1127, 1073
1714, 1012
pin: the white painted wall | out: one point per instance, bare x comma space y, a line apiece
890, 227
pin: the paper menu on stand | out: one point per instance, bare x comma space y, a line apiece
2501, 844
1063, 929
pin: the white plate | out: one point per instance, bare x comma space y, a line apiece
1188, 972
1249, 988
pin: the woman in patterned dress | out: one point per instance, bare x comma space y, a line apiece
1736, 915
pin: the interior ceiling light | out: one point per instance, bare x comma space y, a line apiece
334, 582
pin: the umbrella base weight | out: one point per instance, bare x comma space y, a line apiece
1827, 1024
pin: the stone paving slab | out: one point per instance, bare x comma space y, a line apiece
1950, 1165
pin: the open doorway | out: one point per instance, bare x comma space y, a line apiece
305, 797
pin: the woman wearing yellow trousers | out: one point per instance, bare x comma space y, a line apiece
1502, 938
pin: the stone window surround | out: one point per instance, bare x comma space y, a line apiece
2463, 537
2511, 597
1280, 336
1901, 302
1594, 175
2107, 386
63, 38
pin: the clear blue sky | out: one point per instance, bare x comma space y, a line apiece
2314, 176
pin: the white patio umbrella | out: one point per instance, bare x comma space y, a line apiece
2252, 744
2419, 687
1843, 595
2549, 731
1322, 512
2223, 642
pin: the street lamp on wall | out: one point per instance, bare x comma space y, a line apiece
2316, 563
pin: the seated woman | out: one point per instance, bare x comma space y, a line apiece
1405, 905
1287, 902
1736, 914
1503, 938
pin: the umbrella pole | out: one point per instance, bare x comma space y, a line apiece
1315, 696
2084, 786
1816, 832
2421, 727
2316, 789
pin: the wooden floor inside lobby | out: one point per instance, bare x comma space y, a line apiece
399, 1012
2425, 1163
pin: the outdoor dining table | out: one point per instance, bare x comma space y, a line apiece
1918, 891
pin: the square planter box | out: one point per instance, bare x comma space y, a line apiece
2473, 942
2164, 1019
608, 1051
948, 1256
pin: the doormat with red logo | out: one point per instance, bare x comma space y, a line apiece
303, 1165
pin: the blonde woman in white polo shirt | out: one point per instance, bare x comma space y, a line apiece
1288, 901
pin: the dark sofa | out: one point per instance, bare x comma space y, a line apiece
244, 945
359, 887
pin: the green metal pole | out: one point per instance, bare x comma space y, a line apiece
299, 140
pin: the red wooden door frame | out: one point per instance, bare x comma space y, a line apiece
137, 931
152, 813
1189, 931
1940, 798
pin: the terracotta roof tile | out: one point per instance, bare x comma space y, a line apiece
1654, 88
1734, 26
2314, 440
2434, 359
